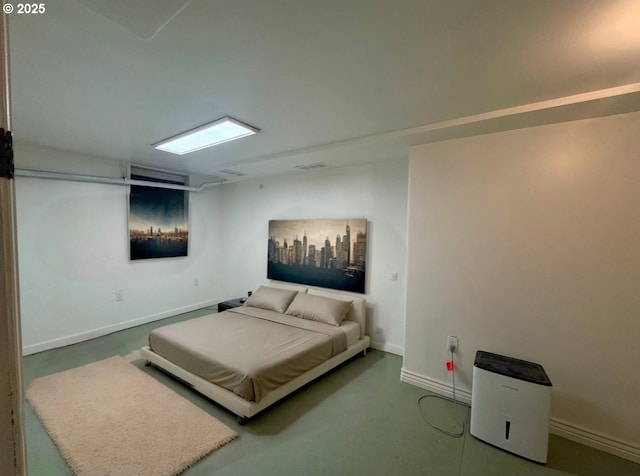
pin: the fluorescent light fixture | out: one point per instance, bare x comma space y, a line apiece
213, 133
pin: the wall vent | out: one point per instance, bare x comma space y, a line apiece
316, 165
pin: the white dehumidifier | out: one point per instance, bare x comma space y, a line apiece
510, 403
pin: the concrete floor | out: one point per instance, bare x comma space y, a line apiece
357, 420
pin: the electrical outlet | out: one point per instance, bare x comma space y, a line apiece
196, 282
452, 343
120, 295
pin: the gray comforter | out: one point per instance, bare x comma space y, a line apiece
247, 350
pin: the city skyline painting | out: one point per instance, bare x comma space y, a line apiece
325, 253
158, 223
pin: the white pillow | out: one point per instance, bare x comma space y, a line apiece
272, 299
319, 308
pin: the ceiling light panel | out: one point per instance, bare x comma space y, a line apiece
217, 132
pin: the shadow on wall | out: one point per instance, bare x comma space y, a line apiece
376, 333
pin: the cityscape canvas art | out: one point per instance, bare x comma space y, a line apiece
158, 223
324, 253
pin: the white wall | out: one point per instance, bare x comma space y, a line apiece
376, 192
73, 252
527, 243
73, 246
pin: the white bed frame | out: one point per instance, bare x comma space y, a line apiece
245, 409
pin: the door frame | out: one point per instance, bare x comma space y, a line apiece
12, 436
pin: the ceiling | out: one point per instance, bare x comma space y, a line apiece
340, 82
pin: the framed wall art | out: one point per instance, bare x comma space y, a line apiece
324, 253
158, 217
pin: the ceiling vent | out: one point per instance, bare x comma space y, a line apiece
235, 173
316, 165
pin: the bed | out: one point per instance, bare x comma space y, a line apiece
249, 357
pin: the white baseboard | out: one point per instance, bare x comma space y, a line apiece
570, 431
92, 334
102, 331
435, 386
594, 439
392, 349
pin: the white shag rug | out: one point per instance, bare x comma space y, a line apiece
110, 418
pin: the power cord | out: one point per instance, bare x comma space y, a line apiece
461, 422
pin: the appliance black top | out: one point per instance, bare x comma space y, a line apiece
514, 368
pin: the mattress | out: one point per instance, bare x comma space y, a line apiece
250, 351
352, 329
